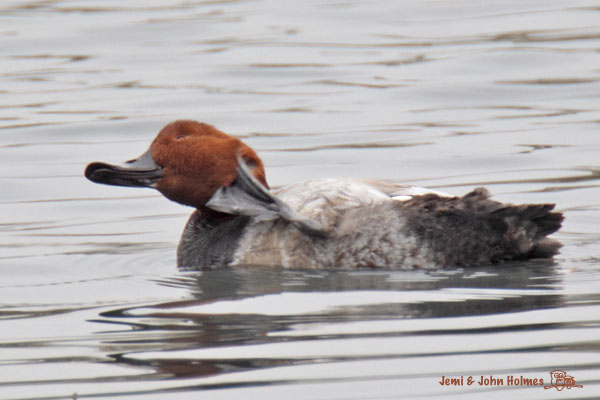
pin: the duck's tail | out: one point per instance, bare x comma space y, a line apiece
528, 225
475, 230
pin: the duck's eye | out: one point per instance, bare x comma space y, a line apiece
180, 137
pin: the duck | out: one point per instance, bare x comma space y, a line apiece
322, 223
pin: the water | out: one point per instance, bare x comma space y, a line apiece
449, 95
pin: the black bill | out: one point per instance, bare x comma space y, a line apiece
141, 172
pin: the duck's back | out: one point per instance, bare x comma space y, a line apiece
382, 224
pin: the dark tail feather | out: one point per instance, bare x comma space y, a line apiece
529, 225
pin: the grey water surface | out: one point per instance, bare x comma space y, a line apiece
445, 94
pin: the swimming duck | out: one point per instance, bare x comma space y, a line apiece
323, 223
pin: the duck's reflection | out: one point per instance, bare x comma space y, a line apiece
237, 307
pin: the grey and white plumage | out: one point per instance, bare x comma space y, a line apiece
381, 224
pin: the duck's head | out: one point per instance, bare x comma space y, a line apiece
187, 162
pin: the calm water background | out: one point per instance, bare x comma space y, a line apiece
445, 94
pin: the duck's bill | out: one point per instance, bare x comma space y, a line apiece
141, 172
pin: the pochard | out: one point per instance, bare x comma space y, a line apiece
322, 223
